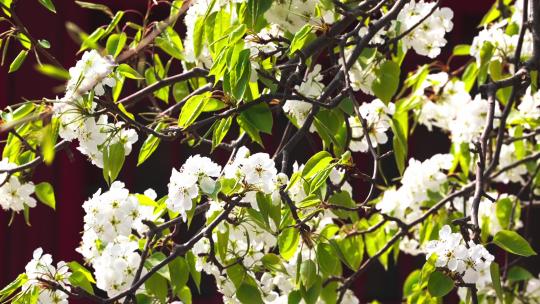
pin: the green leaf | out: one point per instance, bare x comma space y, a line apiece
238, 76
352, 251
114, 22
95, 6
462, 50
150, 145
308, 273
273, 262
317, 163
195, 275
48, 4
92, 40
44, 43
157, 285
81, 277
517, 273
387, 81
514, 243
169, 41
180, 91
503, 211
13, 286
439, 284
45, 193
113, 160
179, 272
52, 71
249, 294
192, 109
220, 131
328, 260
198, 34
300, 38
115, 44
18, 61
400, 127
259, 116
185, 295
154, 260
496, 280
236, 34
410, 282
128, 72
288, 242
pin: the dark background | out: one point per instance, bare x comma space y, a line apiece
75, 179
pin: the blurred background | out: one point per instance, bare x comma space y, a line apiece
74, 179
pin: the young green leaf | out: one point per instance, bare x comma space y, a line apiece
52, 71
18, 61
300, 38
116, 43
113, 160
128, 72
48, 4
308, 273
249, 294
150, 145
387, 81
496, 280
439, 284
45, 194
514, 243
288, 242
192, 109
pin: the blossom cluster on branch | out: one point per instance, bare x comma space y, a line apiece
260, 81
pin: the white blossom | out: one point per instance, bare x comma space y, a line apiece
41, 268
14, 194
426, 39
378, 117
471, 261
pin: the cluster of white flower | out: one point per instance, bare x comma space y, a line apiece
292, 15
532, 290
258, 171
40, 268
504, 45
251, 242
76, 110
362, 73
116, 265
196, 174
529, 108
14, 194
454, 110
419, 179
111, 214
508, 157
310, 88
426, 39
378, 117
90, 73
470, 260
107, 242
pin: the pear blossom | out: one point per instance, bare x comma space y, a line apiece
378, 117
426, 39
15, 195
471, 261
310, 88
41, 268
